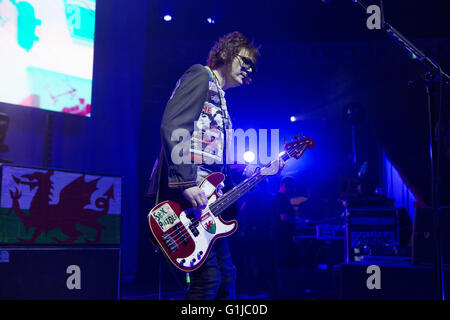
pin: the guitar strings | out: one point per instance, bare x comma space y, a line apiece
221, 204
220, 201
224, 199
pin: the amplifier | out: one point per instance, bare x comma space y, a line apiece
397, 280
59, 274
54, 207
329, 231
370, 228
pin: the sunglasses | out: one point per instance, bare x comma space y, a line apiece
249, 64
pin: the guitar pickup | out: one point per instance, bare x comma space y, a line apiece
194, 223
193, 228
182, 236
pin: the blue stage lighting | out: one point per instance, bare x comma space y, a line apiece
210, 20
293, 118
167, 18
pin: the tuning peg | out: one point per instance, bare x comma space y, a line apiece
297, 136
303, 135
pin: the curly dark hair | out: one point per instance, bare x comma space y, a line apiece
227, 47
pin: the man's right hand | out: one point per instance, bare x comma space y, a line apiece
196, 197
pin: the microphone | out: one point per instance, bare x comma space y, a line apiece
247, 80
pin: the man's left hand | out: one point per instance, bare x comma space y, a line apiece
275, 168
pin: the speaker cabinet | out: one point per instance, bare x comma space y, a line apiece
386, 278
59, 274
423, 242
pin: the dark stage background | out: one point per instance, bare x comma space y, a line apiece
317, 59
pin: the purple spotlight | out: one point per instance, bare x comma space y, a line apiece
167, 18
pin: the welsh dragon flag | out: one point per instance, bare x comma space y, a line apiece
59, 207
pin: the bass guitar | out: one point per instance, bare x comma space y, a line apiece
186, 235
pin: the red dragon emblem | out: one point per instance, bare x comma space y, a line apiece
67, 213
208, 223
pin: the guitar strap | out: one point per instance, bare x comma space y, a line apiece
225, 115
229, 181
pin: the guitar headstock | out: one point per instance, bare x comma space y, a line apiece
296, 148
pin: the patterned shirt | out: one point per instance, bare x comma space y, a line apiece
211, 127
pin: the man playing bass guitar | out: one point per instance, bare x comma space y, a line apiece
195, 132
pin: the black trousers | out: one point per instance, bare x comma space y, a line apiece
216, 278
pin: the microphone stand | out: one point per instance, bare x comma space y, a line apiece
434, 75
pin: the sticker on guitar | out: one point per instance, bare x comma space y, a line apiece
208, 223
165, 217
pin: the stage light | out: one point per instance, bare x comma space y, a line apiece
210, 20
293, 119
167, 18
249, 156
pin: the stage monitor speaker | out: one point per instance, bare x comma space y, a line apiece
423, 244
59, 274
386, 278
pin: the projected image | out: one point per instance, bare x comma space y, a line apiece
46, 54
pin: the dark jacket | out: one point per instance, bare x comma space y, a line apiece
194, 96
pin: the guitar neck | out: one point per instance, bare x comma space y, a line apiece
241, 189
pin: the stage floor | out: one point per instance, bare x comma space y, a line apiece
399, 280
